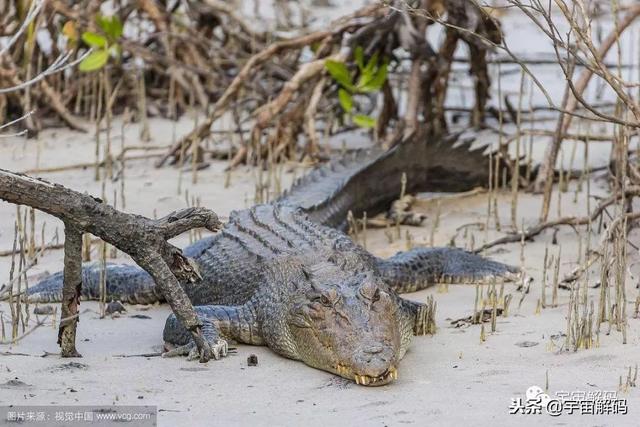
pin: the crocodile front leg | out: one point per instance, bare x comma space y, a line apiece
420, 268
220, 323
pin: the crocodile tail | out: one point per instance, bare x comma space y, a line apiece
126, 283
369, 180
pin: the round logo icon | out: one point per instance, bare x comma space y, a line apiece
536, 393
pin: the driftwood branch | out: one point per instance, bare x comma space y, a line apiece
71, 291
145, 240
572, 221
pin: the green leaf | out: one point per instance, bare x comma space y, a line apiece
371, 65
346, 101
117, 27
94, 61
111, 25
370, 73
376, 82
93, 39
365, 77
364, 121
339, 72
359, 55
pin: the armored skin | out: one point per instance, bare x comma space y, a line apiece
284, 275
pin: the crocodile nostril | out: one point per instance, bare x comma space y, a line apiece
373, 349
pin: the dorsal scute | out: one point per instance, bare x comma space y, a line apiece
322, 183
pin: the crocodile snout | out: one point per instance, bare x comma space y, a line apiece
374, 365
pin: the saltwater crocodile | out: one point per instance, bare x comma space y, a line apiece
283, 275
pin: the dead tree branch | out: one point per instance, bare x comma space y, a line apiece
571, 221
544, 180
143, 239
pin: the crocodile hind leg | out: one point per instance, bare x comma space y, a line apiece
420, 268
220, 323
126, 283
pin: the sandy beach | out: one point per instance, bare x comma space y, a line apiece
451, 378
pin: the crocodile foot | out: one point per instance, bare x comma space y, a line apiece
219, 348
212, 346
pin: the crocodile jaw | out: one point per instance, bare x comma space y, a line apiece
388, 376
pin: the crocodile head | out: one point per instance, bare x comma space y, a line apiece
348, 326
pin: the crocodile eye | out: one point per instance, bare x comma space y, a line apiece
376, 295
324, 300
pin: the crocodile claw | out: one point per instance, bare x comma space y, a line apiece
219, 349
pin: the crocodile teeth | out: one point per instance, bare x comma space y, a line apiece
364, 379
357, 378
394, 373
